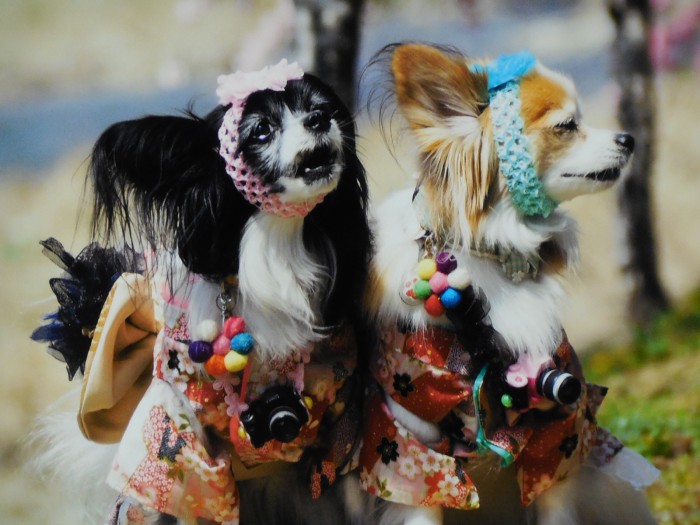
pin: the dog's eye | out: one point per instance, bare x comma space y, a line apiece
262, 132
318, 120
567, 125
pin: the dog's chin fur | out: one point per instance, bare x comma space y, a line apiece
462, 198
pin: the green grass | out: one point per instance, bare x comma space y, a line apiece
653, 405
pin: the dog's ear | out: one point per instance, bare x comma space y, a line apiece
444, 102
433, 85
160, 180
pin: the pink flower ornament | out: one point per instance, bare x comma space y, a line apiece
238, 86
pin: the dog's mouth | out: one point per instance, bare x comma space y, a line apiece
317, 165
608, 175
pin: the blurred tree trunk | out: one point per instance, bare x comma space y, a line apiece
327, 40
636, 113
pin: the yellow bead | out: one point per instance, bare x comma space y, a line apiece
309, 402
235, 362
426, 269
242, 433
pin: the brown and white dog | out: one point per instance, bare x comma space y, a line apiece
461, 379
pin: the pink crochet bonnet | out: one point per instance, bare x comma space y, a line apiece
235, 89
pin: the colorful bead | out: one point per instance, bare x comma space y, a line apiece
242, 433
242, 343
200, 351
459, 279
221, 345
450, 298
308, 402
235, 362
446, 262
215, 366
426, 269
422, 289
433, 306
233, 326
408, 295
207, 330
506, 401
438, 282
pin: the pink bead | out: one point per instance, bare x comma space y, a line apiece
438, 282
222, 345
234, 326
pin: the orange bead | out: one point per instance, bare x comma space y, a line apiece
215, 366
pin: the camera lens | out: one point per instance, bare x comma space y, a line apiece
284, 424
559, 386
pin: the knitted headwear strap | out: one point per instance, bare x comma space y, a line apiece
235, 89
512, 146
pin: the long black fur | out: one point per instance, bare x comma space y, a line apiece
160, 179
159, 182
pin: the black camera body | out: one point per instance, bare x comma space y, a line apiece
550, 383
279, 414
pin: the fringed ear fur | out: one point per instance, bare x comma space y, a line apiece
433, 85
160, 180
446, 106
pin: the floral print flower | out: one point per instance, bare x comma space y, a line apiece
388, 450
408, 468
173, 361
414, 450
430, 462
449, 486
545, 482
402, 384
568, 445
226, 383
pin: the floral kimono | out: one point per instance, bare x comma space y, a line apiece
429, 373
184, 447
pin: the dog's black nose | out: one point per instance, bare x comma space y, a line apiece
318, 121
625, 140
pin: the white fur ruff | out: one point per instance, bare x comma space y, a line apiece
281, 285
527, 314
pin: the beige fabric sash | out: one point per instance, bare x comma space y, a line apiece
119, 365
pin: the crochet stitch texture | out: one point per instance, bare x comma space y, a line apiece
512, 146
235, 89
513, 149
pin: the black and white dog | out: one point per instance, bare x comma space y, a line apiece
251, 225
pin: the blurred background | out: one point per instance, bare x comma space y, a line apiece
69, 68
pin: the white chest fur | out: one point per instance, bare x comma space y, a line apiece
281, 287
526, 314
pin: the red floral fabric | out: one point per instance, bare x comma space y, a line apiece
164, 459
429, 373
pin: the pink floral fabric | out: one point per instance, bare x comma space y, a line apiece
165, 460
429, 373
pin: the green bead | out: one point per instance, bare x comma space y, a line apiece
506, 401
422, 289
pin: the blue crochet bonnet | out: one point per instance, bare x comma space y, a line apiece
512, 146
